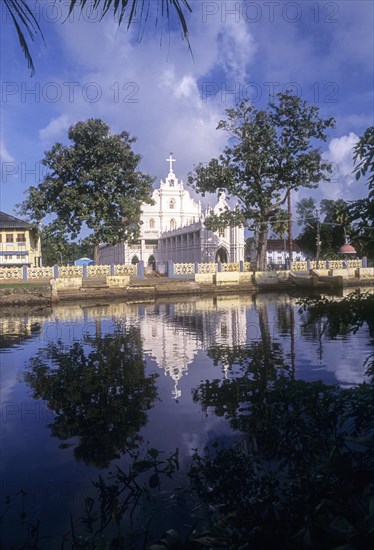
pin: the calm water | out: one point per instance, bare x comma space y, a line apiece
81, 386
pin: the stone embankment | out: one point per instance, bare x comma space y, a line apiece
21, 295
149, 288
143, 289
17, 295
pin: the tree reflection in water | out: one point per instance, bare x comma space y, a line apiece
98, 391
302, 473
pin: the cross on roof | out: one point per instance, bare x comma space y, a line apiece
171, 160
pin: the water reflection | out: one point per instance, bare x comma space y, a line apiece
98, 391
97, 372
173, 334
15, 330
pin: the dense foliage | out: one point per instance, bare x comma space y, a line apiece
93, 184
332, 222
57, 249
362, 211
270, 153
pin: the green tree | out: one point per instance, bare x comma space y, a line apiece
363, 157
93, 183
334, 226
270, 153
362, 211
127, 11
306, 218
57, 249
279, 226
279, 222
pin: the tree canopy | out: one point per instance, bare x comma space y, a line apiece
26, 23
270, 153
57, 249
362, 211
334, 225
93, 183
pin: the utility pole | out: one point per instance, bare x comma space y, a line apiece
318, 238
289, 228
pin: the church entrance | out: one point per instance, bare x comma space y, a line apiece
152, 262
221, 255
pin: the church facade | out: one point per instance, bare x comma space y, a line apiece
173, 229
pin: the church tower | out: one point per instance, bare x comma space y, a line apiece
173, 229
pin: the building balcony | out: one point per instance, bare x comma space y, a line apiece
12, 247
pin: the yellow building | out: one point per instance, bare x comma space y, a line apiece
19, 243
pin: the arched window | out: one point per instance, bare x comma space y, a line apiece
152, 223
173, 224
221, 232
134, 260
172, 204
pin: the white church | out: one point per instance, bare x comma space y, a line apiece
173, 229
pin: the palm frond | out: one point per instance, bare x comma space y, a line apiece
132, 8
22, 16
25, 21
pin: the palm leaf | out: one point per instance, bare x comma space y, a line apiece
22, 16
25, 21
133, 7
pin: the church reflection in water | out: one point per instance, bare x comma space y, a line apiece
173, 334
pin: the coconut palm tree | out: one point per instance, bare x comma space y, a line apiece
279, 226
26, 23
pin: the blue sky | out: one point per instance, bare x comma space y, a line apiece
172, 101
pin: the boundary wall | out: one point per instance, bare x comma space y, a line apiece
204, 273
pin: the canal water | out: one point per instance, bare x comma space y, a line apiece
86, 390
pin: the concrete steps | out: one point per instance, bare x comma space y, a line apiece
97, 282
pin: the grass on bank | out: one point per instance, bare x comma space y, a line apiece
23, 285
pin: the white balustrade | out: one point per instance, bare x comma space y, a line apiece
70, 271
98, 270
207, 268
125, 269
230, 267
10, 273
40, 272
184, 269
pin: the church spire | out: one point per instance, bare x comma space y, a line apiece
171, 180
171, 160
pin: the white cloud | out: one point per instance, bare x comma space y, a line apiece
55, 128
340, 153
343, 185
5, 156
237, 50
152, 93
156, 92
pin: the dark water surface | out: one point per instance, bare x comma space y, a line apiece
82, 387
